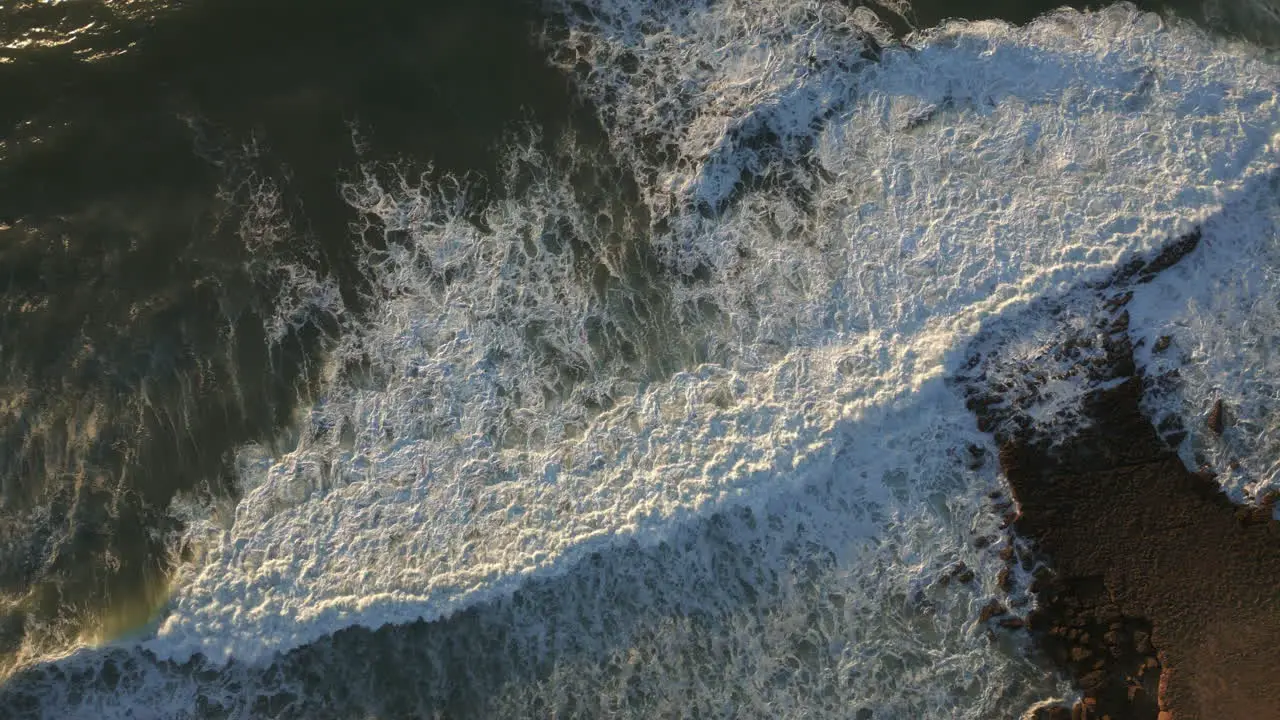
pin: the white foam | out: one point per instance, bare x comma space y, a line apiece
1221, 310
947, 185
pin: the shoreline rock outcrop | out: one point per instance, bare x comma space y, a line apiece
1155, 592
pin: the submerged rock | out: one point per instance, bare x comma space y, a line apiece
1217, 418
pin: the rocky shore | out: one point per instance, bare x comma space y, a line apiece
1155, 592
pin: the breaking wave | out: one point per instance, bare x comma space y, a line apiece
676, 432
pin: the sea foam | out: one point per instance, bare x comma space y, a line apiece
1219, 314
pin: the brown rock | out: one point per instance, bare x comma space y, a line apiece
992, 609
1134, 537
1004, 580
1095, 515
1048, 712
1217, 418
1041, 580
1268, 500
1093, 680
955, 572
1162, 343
1120, 299
1013, 623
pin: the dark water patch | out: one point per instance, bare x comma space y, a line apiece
165, 175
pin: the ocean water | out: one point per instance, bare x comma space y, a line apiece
667, 425
168, 192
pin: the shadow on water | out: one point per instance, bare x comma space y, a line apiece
161, 168
705, 580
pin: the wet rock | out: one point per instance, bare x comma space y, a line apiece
1042, 579
1093, 680
1025, 559
1217, 418
1013, 623
1047, 711
863, 714
1120, 300
992, 609
1123, 524
1004, 580
958, 572
977, 456
1261, 514
1162, 343
1171, 254
1269, 499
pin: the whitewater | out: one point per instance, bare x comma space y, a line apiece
676, 428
